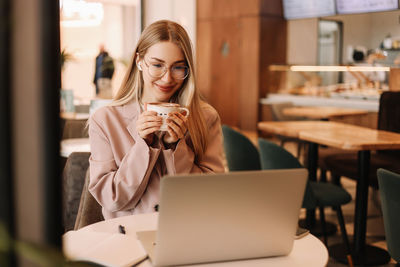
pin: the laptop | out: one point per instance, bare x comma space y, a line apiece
229, 216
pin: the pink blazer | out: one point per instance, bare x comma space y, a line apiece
125, 172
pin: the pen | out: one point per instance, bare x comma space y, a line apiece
121, 229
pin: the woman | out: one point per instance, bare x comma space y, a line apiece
129, 154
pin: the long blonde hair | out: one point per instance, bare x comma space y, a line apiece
187, 96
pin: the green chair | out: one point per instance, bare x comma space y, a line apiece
241, 154
389, 187
317, 194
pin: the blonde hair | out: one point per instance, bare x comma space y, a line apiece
187, 96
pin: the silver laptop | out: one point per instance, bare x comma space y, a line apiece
230, 216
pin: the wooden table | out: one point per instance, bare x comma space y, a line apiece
347, 137
322, 113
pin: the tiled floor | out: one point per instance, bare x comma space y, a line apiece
375, 230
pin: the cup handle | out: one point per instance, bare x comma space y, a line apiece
185, 109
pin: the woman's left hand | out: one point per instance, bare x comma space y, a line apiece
177, 127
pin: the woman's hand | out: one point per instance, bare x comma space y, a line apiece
148, 123
177, 127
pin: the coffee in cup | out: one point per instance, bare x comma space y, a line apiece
163, 109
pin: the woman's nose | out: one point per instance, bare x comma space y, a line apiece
167, 76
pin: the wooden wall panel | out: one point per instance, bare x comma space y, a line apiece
226, 8
272, 49
249, 71
249, 7
394, 81
225, 70
271, 8
204, 9
203, 57
212, 9
237, 41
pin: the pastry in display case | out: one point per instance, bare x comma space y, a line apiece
347, 82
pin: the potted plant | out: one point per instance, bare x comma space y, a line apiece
66, 95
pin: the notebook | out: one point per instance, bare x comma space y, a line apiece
107, 249
230, 216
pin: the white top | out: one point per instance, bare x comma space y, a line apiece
68, 146
307, 251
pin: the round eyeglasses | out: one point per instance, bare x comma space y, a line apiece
158, 70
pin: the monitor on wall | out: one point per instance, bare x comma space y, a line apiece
365, 6
298, 9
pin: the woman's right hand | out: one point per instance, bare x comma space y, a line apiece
147, 124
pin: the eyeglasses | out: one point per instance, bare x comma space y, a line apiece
158, 70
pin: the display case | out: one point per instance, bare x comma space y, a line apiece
347, 86
356, 87
347, 82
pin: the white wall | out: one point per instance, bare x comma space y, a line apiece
119, 32
302, 40
181, 11
358, 30
383, 24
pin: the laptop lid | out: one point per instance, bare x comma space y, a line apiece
229, 216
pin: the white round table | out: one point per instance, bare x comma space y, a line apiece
307, 251
74, 116
68, 146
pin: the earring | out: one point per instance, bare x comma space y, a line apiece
139, 66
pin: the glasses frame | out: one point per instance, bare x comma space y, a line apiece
166, 69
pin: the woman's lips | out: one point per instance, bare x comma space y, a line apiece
165, 88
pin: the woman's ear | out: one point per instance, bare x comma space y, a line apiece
139, 66
138, 62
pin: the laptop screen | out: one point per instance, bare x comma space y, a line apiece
236, 215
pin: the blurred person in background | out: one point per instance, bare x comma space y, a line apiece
368, 79
104, 70
129, 154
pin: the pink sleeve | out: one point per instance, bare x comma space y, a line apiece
181, 160
118, 187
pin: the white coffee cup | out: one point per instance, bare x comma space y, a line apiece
163, 109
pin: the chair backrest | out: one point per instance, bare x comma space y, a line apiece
75, 129
240, 152
389, 187
389, 117
389, 112
73, 181
276, 157
273, 156
89, 209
